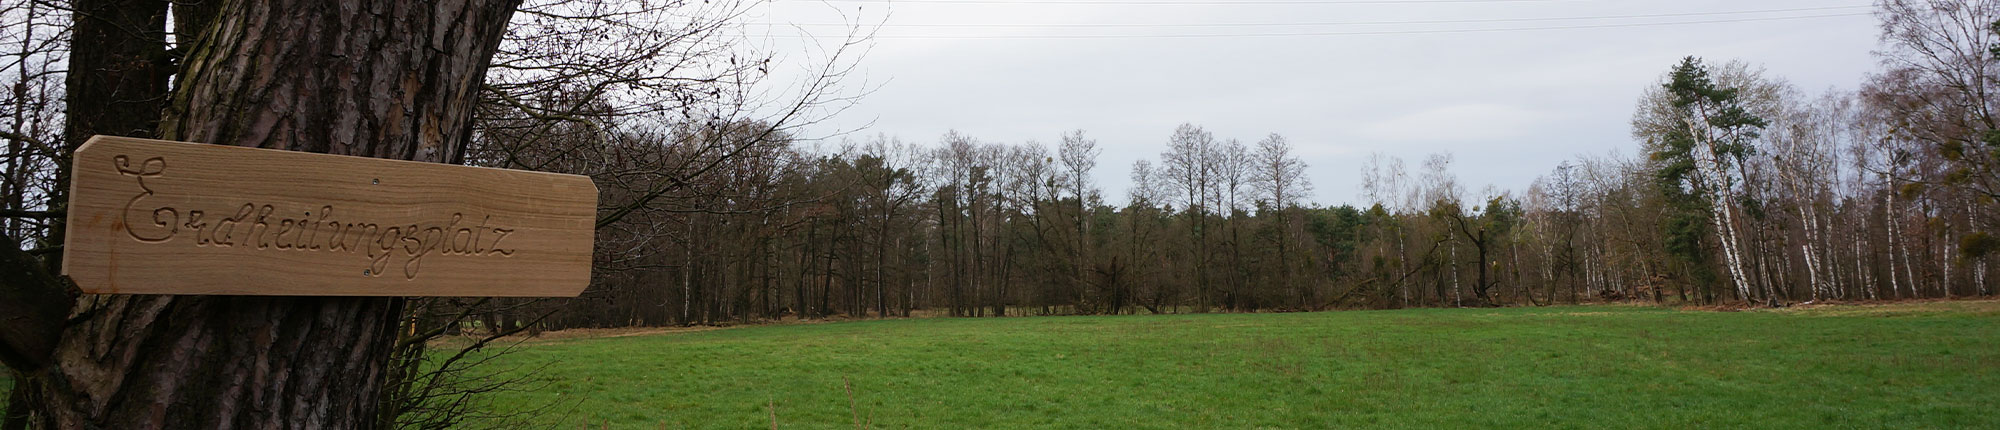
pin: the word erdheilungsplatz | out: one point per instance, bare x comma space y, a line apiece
254, 226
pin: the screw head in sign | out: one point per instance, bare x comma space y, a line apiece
376, 181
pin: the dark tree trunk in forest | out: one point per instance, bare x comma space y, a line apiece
119, 67
805, 271
1480, 291
952, 239
826, 278
1000, 282
388, 80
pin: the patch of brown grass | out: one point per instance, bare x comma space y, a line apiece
1726, 307
1981, 305
601, 333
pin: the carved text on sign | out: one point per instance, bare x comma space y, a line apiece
162, 217
261, 227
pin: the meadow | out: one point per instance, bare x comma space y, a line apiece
1913, 365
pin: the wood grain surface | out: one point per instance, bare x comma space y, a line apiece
163, 217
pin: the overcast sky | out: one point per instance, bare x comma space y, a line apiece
1494, 82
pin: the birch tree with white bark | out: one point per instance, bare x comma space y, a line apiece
1701, 132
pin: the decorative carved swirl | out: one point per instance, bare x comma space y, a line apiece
164, 217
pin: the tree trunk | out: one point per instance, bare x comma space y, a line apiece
890, 203
1813, 267
1403, 261
826, 277
1723, 218
805, 271
978, 264
1902, 246
1457, 289
1863, 270
1549, 275
949, 239
388, 80
1284, 257
1237, 298
1479, 290
687, 275
1200, 226
1080, 254
119, 67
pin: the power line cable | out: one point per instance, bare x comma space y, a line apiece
1339, 23
1184, 2
1358, 33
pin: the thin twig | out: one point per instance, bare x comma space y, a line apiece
850, 403
16, 213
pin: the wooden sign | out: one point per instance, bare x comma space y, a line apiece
162, 217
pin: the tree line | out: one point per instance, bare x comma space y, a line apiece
1743, 189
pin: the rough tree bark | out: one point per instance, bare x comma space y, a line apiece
119, 66
378, 79
120, 47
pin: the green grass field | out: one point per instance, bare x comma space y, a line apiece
1927, 365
